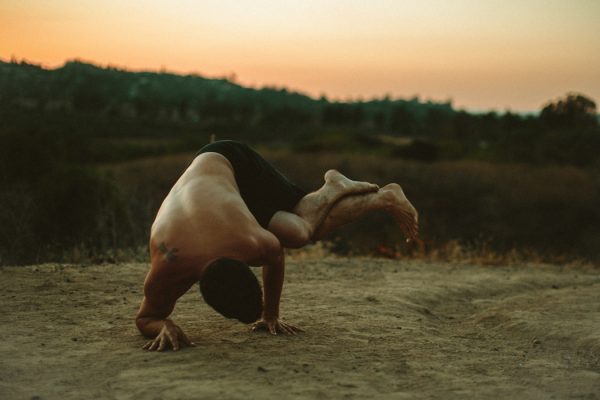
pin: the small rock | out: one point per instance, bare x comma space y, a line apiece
536, 342
74, 339
554, 286
261, 369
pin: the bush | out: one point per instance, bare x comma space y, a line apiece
50, 202
420, 150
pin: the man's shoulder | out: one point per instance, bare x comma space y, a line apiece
266, 245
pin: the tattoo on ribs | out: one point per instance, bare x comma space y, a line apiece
169, 254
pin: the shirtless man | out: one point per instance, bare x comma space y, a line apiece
231, 209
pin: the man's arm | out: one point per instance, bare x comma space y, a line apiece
152, 322
150, 318
272, 274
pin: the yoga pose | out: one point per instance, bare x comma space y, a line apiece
230, 210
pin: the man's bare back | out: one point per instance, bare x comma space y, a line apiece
204, 219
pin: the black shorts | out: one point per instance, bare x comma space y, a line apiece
264, 189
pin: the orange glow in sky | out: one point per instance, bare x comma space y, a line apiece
500, 54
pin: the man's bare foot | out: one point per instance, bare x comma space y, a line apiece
404, 213
340, 185
314, 206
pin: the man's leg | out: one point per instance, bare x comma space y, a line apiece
292, 231
296, 229
389, 198
316, 205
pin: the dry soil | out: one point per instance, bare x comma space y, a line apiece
374, 329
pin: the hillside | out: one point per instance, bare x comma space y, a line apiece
79, 87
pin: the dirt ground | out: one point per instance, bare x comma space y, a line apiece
374, 329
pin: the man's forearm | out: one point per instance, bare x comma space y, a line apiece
272, 284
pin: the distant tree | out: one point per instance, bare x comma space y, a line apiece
465, 126
438, 123
343, 114
403, 121
572, 111
418, 149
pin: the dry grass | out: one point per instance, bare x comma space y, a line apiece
487, 213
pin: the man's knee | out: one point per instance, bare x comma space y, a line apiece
302, 234
292, 230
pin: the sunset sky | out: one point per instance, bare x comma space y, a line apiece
482, 54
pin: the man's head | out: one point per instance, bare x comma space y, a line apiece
230, 287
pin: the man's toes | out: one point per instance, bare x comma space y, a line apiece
361, 187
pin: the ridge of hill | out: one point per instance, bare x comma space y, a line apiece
80, 86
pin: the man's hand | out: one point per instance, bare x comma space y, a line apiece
275, 326
170, 336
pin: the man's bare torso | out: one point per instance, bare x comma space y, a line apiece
204, 218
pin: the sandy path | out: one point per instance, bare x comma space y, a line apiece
374, 328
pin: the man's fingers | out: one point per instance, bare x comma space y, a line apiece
174, 341
282, 329
275, 328
272, 329
294, 329
154, 345
163, 343
288, 330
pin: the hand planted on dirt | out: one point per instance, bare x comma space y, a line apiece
170, 337
275, 326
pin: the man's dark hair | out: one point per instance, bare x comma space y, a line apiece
230, 287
